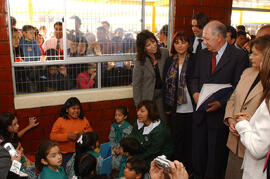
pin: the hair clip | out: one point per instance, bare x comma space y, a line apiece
80, 140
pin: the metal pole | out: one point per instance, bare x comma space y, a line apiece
143, 15
11, 48
170, 19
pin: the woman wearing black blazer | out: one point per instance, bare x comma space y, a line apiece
178, 100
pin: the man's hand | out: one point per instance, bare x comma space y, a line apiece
196, 97
213, 106
232, 123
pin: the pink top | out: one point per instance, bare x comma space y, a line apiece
52, 42
84, 81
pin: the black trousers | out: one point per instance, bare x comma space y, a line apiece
182, 138
209, 151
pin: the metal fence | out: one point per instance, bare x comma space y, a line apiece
77, 44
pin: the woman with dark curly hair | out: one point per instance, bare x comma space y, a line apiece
148, 71
152, 133
178, 102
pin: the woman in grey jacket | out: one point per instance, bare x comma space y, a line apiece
148, 71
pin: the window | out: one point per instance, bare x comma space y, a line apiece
251, 13
78, 44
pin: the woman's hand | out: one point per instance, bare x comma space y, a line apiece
241, 118
240, 114
232, 129
155, 172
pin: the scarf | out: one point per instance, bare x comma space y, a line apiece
175, 85
95, 154
122, 166
119, 130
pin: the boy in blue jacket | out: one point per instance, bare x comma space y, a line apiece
28, 44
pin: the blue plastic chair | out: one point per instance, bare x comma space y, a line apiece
106, 166
106, 150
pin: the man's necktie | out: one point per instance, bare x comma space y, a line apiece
58, 46
199, 47
214, 54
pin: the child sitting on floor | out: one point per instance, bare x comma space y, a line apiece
136, 168
87, 143
129, 147
70, 125
49, 161
119, 129
87, 168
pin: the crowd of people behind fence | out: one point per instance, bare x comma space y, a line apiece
32, 44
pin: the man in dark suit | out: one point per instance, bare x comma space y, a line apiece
241, 39
231, 34
220, 63
198, 22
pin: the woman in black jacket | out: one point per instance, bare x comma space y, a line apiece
178, 101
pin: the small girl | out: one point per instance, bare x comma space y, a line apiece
69, 126
87, 143
119, 129
9, 132
49, 160
9, 127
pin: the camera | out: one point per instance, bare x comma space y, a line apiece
11, 149
163, 163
